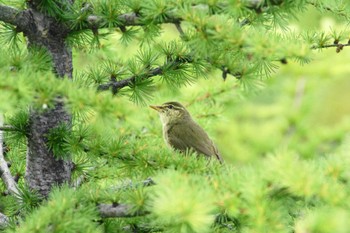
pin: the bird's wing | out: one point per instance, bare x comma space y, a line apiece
185, 138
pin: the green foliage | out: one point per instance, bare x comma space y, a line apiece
53, 8
9, 35
20, 123
57, 138
27, 200
179, 210
64, 211
284, 139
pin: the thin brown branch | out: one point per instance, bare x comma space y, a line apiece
117, 85
118, 210
333, 45
5, 173
339, 46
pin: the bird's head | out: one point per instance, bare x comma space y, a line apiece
171, 112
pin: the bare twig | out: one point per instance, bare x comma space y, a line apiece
4, 170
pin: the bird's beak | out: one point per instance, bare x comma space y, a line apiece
157, 108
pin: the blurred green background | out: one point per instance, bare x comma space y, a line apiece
300, 108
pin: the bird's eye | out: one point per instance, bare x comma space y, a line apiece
170, 106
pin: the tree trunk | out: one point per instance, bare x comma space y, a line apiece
43, 169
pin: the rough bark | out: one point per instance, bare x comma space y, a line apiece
13, 16
48, 33
43, 169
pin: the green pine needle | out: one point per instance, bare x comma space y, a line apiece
57, 140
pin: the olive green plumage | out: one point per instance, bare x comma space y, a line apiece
182, 133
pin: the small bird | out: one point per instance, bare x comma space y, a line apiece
182, 133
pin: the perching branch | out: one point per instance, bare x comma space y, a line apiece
117, 210
4, 170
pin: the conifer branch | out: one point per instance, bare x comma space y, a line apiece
134, 19
333, 45
224, 69
125, 20
145, 183
318, 5
338, 46
3, 220
179, 29
124, 210
118, 210
8, 128
8, 14
5, 173
117, 85
13, 16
